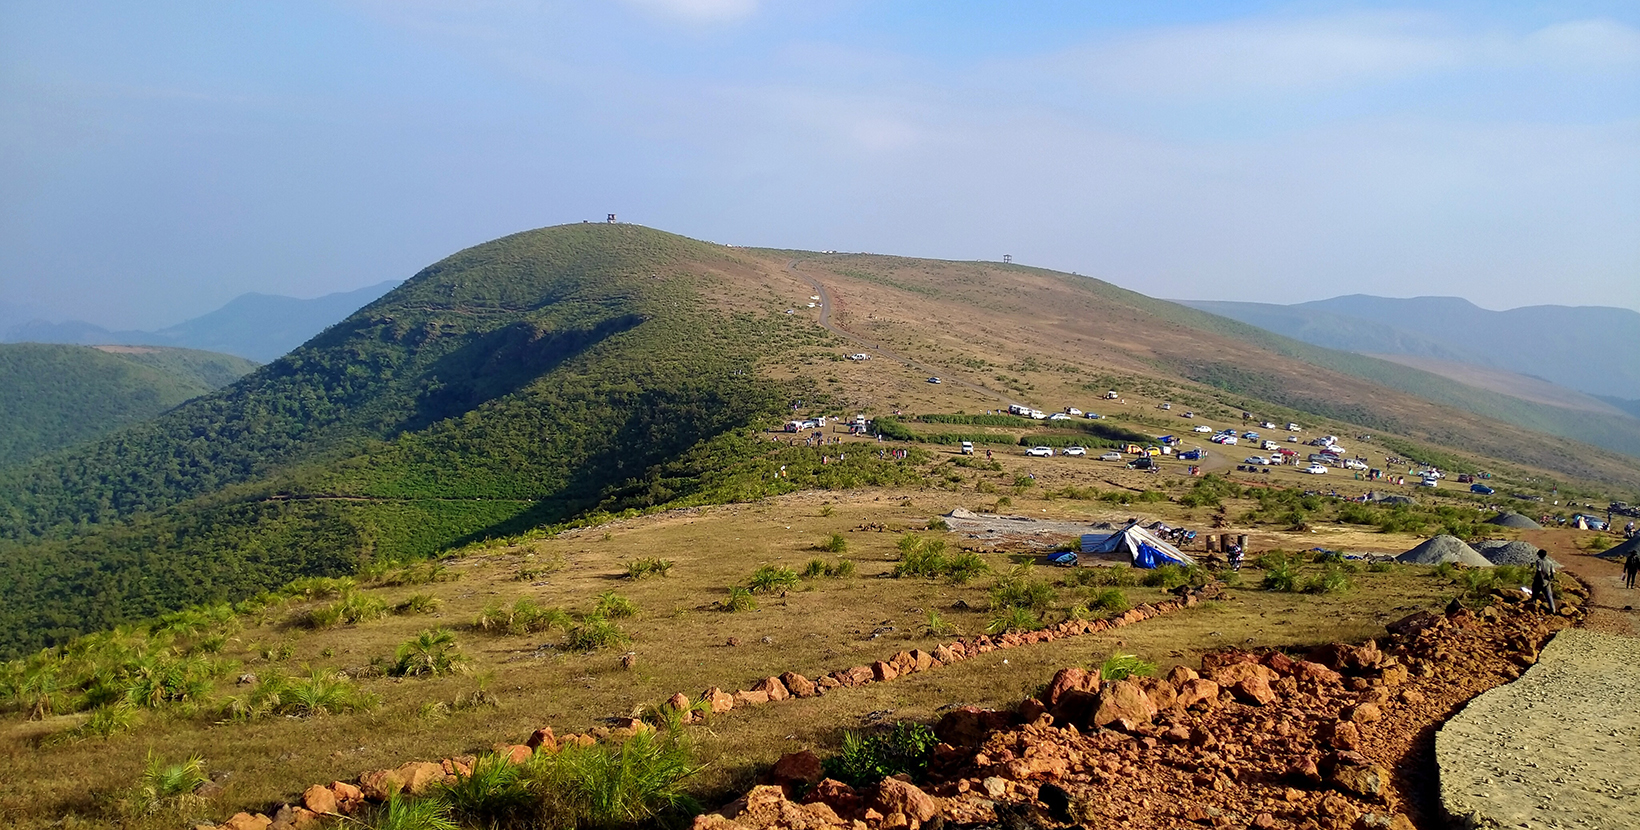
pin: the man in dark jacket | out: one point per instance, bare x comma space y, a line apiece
1631, 568
1543, 580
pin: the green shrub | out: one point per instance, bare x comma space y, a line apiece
867, 759
1013, 618
353, 608
494, 794
637, 783
961, 568
648, 566
1445, 570
1122, 666
835, 543
739, 600
814, 569
430, 654
164, 786
938, 524
770, 578
321, 692
842, 569
614, 606
595, 632
1513, 576
1109, 599
1381, 567
1018, 589
1168, 577
418, 604
1334, 580
935, 625
1280, 572
525, 617
1477, 583
401, 812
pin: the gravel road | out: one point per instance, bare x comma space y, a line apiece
1558, 748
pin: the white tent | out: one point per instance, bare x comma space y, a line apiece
1142, 548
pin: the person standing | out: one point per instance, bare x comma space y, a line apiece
1543, 580
1631, 568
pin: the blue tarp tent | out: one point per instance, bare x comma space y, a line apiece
1140, 547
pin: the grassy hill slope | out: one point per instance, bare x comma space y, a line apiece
571, 372
519, 383
57, 396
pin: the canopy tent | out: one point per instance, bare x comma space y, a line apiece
1141, 548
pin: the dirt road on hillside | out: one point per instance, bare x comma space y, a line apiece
878, 348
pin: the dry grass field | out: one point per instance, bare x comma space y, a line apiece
680, 641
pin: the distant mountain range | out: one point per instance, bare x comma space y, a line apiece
260, 327
1592, 349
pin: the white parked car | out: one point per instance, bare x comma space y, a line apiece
1269, 445
1040, 452
1071, 410
1431, 482
1059, 416
1075, 451
1294, 428
1266, 425
1355, 464
1111, 456
1203, 428
1316, 470
1256, 459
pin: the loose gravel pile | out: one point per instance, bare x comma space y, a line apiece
1621, 552
1504, 552
1445, 548
1509, 518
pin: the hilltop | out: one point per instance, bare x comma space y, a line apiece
58, 396
571, 373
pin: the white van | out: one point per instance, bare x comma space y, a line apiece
968, 448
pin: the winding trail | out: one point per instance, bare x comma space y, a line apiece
827, 324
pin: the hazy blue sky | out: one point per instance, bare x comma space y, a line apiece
159, 158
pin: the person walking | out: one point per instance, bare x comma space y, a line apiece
1631, 568
1543, 580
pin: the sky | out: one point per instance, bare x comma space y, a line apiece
159, 158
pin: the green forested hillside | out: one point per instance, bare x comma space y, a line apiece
514, 384
58, 396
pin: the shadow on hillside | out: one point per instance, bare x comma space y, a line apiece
501, 362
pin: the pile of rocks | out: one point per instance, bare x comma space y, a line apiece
416, 777
1333, 739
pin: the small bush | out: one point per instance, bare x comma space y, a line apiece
614, 606
835, 543
961, 568
1381, 567
164, 786
418, 604
739, 600
935, 625
1122, 666
938, 524
841, 569
814, 569
1280, 572
770, 578
1513, 576
1167, 577
1109, 599
1019, 590
432, 653
525, 617
636, 783
401, 812
649, 566
353, 608
1334, 580
595, 632
1013, 618
494, 794
1445, 570
867, 759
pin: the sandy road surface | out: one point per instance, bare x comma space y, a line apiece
1558, 748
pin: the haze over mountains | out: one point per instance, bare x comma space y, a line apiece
258, 327
1592, 349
